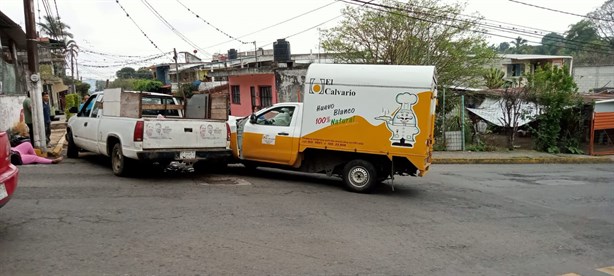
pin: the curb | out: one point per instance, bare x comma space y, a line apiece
526, 160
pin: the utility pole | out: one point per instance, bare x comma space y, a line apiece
319, 45
72, 72
185, 100
33, 84
256, 53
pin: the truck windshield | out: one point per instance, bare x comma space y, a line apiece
159, 100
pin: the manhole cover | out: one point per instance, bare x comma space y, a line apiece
222, 181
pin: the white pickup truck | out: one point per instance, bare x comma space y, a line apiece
146, 127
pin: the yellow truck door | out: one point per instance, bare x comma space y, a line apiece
271, 136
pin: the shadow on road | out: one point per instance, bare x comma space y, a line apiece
157, 173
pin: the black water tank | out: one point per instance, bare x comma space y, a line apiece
281, 50
232, 54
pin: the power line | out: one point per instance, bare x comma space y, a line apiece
388, 8
125, 63
115, 55
315, 26
506, 29
179, 34
59, 19
212, 26
137, 25
563, 12
277, 24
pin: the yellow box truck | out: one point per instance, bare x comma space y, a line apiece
365, 123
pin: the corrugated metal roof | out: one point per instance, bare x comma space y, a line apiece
12, 30
526, 57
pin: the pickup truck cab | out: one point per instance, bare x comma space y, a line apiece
8, 172
144, 127
365, 123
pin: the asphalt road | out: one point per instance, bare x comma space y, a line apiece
76, 218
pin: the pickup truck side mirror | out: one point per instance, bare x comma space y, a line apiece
252, 118
73, 109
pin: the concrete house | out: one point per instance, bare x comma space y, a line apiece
12, 71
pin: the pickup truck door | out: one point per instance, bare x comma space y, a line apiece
85, 130
272, 136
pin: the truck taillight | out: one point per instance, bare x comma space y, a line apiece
138, 131
227, 132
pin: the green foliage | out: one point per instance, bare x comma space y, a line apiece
82, 88
54, 27
147, 85
125, 84
130, 73
72, 100
494, 78
186, 89
100, 85
125, 73
520, 46
477, 146
554, 90
404, 35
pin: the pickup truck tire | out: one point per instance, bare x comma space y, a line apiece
119, 163
360, 176
73, 150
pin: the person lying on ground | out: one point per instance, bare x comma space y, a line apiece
28, 156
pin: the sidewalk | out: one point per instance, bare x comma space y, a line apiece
58, 137
58, 141
516, 157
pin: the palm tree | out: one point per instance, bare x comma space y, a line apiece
519, 45
55, 28
72, 50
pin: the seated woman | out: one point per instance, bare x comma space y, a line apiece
28, 156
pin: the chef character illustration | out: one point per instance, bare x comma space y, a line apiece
402, 122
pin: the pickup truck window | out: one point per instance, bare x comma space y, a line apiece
96, 108
159, 100
280, 116
87, 107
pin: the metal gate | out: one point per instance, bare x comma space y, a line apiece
602, 134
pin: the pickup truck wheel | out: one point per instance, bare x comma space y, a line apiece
119, 162
73, 150
360, 176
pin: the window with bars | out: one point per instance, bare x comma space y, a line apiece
236, 94
252, 92
266, 96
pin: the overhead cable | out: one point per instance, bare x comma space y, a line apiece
276, 24
386, 8
137, 25
179, 34
563, 12
212, 26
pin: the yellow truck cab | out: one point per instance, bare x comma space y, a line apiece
365, 123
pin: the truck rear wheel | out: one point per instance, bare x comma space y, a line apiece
120, 164
72, 151
360, 176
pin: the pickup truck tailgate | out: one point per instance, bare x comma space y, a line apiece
183, 134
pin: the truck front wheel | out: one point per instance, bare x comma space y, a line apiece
360, 176
73, 150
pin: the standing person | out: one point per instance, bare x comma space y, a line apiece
47, 116
27, 115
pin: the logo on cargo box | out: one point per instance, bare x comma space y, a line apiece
402, 122
317, 87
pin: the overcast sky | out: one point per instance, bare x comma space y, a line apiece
102, 26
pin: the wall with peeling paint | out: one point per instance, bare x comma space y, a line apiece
10, 111
290, 84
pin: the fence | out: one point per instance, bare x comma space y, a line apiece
602, 134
